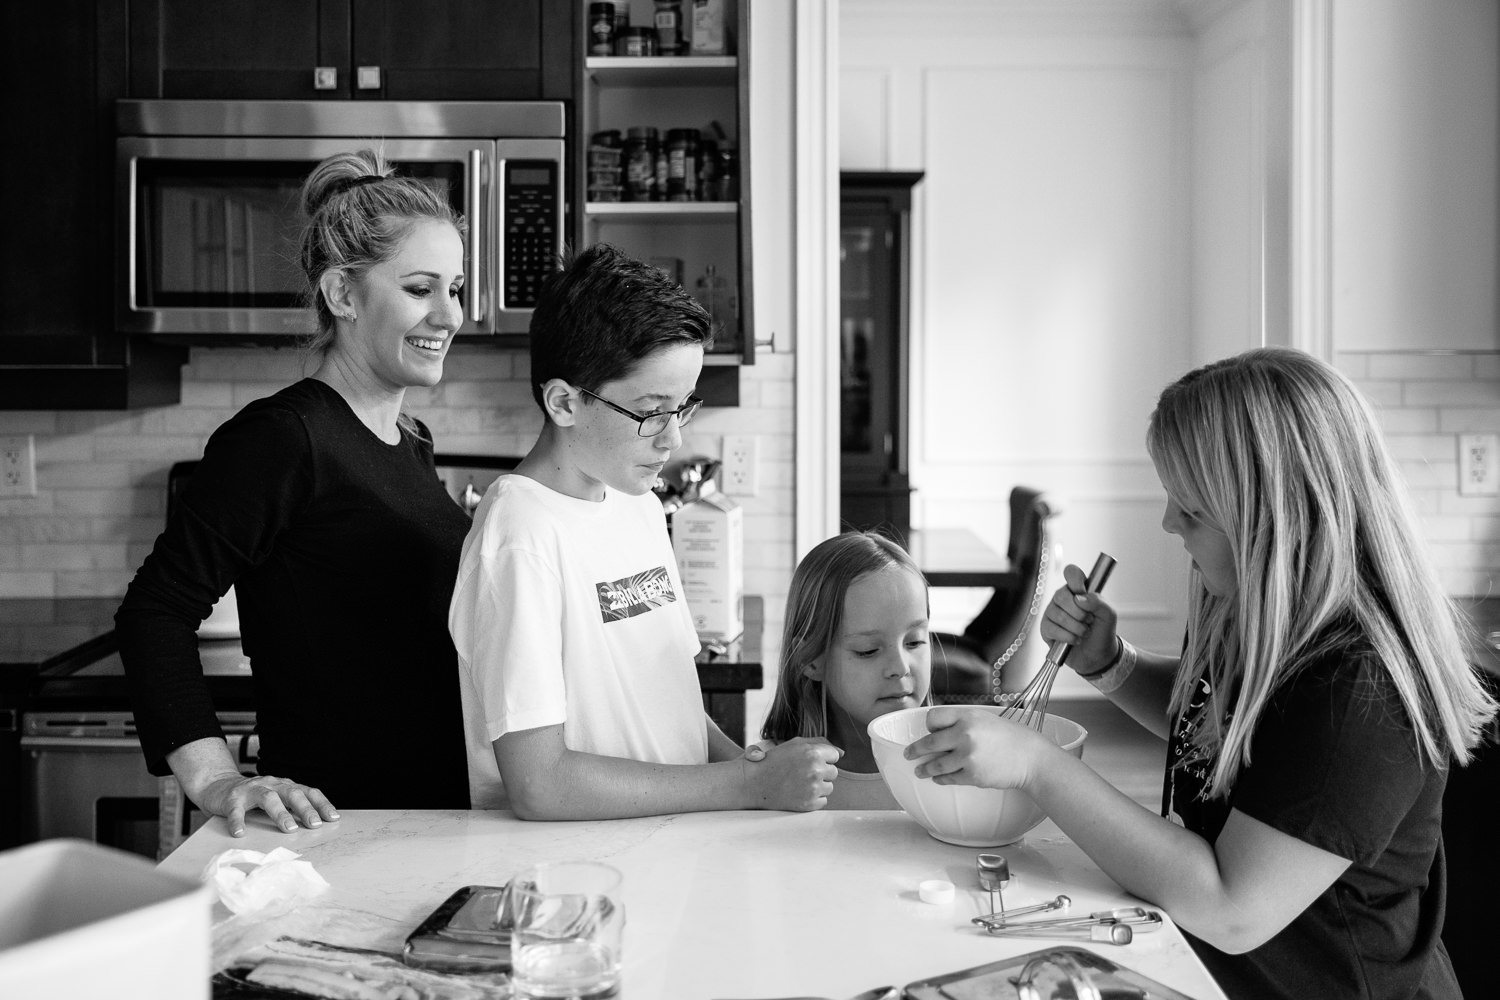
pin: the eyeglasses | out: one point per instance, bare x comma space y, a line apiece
653, 424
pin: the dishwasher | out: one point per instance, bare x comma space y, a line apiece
83, 775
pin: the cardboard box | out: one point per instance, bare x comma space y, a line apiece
708, 538
79, 921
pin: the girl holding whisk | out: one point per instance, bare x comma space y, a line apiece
1321, 695
854, 647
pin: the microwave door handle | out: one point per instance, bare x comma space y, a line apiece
130, 247
476, 184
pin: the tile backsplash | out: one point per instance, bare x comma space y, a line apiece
1424, 402
101, 475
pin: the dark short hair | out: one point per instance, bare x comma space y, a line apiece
602, 313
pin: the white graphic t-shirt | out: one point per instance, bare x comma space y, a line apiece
570, 611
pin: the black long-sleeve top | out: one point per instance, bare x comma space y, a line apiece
343, 551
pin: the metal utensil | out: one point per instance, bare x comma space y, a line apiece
1030, 706
1060, 903
994, 876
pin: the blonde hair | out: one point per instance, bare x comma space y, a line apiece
358, 214
814, 616
1285, 455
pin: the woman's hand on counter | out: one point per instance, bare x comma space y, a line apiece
796, 776
210, 778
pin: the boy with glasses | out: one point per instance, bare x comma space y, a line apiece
576, 647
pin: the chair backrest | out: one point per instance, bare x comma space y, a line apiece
1011, 611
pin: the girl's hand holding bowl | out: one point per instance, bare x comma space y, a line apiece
973, 748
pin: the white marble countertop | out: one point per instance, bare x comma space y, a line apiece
721, 905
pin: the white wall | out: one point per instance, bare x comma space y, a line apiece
1416, 163
1053, 268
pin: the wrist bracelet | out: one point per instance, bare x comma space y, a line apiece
1116, 675
1113, 661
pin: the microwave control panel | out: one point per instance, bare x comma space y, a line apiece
533, 193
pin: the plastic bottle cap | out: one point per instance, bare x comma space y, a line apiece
935, 890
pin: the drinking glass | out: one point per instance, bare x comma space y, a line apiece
568, 925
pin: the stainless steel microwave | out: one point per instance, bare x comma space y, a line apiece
208, 216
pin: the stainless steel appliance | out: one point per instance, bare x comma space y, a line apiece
208, 218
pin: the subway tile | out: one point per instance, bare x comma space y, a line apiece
1451, 394
1436, 474
1477, 419
97, 475
164, 448
216, 394
73, 557
1449, 528
18, 584
92, 583
1445, 367
101, 502
27, 422
1408, 421
1354, 365
1385, 394
65, 448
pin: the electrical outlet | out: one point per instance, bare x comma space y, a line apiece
17, 466
1479, 465
738, 471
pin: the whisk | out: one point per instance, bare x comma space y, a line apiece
1029, 707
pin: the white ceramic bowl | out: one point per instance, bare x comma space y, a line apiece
959, 814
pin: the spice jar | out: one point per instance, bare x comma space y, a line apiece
727, 174
707, 169
682, 164
636, 42
659, 191
601, 29
640, 164
668, 21
604, 166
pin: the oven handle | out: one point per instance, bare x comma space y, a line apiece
81, 742
476, 183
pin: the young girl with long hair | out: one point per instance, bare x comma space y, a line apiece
854, 647
1321, 695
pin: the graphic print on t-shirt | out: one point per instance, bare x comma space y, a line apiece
635, 595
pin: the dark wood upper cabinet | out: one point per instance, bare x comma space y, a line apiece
63, 70
393, 50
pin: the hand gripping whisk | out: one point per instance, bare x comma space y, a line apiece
1030, 706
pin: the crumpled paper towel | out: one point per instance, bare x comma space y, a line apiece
275, 884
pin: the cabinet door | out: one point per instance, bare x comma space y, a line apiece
462, 50
232, 50
435, 50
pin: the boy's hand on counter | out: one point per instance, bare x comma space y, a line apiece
796, 775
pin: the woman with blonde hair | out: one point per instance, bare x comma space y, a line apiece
1321, 695
321, 506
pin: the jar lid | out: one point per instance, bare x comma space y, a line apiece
609, 137
682, 134
641, 132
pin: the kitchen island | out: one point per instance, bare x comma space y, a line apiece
719, 905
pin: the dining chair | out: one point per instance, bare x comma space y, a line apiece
961, 662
